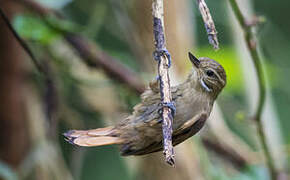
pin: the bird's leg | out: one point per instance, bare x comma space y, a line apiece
164, 52
170, 105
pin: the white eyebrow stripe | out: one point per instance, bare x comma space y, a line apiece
217, 75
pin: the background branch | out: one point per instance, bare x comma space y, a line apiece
94, 57
252, 47
226, 152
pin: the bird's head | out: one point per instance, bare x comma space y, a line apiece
209, 75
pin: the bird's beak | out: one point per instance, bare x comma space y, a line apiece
194, 60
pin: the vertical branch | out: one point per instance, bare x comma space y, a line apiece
163, 58
252, 47
208, 23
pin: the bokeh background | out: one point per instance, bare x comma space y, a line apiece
73, 39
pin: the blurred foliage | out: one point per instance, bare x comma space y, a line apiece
33, 28
221, 172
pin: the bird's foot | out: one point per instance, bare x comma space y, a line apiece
170, 105
164, 52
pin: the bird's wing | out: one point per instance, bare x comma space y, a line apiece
154, 89
155, 86
177, 137
148, 110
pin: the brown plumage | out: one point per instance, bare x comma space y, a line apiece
141, 132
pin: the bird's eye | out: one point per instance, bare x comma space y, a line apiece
210, 73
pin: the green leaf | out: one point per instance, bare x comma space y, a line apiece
33, 28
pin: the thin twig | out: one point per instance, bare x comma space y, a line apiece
163, 57
252, 47
208, 23
51, 98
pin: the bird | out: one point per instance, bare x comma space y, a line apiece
141, 132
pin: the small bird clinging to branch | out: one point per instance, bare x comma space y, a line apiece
141, 132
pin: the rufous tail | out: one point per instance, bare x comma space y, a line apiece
93, 137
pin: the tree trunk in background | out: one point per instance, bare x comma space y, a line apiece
179, 28
13, 131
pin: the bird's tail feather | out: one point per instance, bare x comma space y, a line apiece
94, 137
